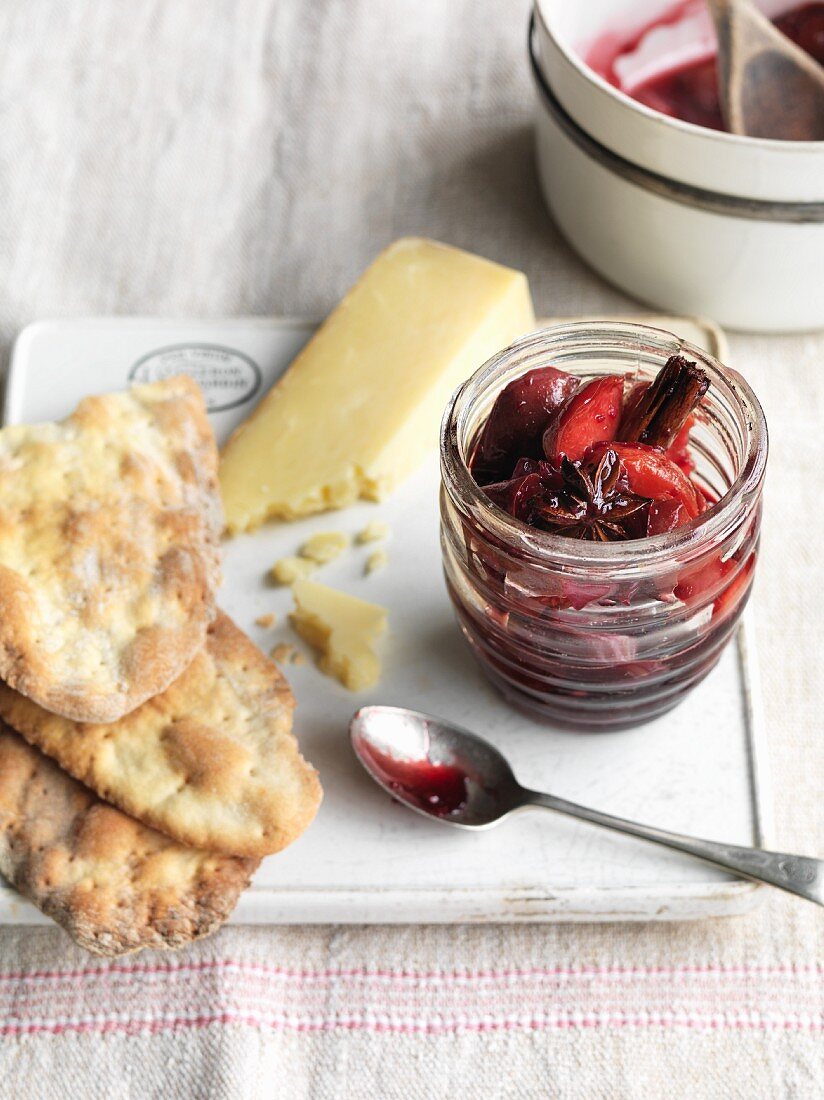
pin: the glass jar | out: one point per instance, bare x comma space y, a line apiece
603, 635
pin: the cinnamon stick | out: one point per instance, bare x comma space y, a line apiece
662, 409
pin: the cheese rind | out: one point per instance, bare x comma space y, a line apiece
344, 630
360, 406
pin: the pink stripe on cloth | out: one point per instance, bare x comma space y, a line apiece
811, 969
408, 1027
136, 998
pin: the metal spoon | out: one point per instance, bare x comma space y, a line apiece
770, 87
454, 776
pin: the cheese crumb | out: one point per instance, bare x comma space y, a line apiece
376, 560
374, 531
286, 654
325, 546
291, 569
266, 621
343, 628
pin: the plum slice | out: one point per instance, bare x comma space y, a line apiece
650, 473
590, 416
679, 450
516, 425
665, 515
516, 494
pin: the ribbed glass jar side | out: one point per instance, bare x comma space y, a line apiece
603, 635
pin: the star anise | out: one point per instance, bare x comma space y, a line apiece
594, 503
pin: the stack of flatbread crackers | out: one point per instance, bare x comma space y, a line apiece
147, 760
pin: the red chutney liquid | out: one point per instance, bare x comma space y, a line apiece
691, 91
439, 789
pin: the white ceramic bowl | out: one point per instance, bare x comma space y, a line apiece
685, 218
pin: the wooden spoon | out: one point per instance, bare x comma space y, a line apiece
770, 88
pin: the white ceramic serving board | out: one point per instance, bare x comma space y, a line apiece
366, 858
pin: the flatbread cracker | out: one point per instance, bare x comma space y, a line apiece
110, 525
212, 761
115, 885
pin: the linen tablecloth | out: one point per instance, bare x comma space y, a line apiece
205, 158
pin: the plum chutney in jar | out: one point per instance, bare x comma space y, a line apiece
600, 517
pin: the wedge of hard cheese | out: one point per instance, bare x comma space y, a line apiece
361, 405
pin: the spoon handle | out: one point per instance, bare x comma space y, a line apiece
800, 875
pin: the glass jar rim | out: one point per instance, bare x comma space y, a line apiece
714, 523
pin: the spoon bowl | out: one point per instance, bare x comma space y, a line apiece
453, 776
434, 768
